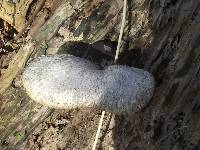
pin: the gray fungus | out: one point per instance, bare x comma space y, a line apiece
66, 82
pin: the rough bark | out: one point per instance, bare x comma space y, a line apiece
15, 12
166, 33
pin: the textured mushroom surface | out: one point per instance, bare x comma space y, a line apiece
66, 82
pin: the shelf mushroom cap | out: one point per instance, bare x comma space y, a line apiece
67, 82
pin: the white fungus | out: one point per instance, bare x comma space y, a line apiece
66, 82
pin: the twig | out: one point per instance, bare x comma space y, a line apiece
121, 31
98, 131
116, 58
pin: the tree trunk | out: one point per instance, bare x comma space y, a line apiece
162, 36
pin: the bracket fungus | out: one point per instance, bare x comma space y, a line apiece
66, 82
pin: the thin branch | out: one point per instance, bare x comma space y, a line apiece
98, 131
116, 58
121, 31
